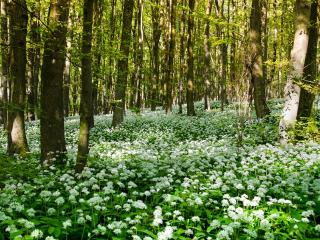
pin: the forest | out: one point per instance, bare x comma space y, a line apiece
159, 119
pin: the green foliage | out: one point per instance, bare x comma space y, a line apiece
167, 177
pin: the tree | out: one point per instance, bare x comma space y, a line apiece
254, 65
310, 66
170, 55
298, 55
121, 84
17, 141
207, 51
190, 73
4, 62
86, 110
156, 31
52, 114
34, 60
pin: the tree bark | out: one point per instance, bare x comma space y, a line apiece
170, 55
139, 60
4, 63
52, 115
310, 66
207, 50
190, 73
121, 84
34, 61
255, 64
86, 110
155, 50
298, 55
17, 141
66, 71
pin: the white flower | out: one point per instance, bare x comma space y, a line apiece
81, 220
67, 224
166, 234
59, 201
198, 201
31, 212
37, 233
215, 224
136, 237
188, 232
195, 219
51, 211
147, 238
50, 238
317, 228
139, 204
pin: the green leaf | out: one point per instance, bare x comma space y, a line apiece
149, 233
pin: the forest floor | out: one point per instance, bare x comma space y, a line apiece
166, 177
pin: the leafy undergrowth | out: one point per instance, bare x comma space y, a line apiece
167, 177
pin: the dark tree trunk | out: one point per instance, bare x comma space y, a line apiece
34, 61
182, 59
310, 66
255, 65
121, 84
170, 56
97, 56
207, 50
66, 71
139, 60
190, 73
4, 63
17, 141
52, 115
86, 113
155, 50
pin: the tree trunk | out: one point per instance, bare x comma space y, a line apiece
17, 141
190, 73
97, 55
52, 115
86, 87
139, 64
4, 63
121, 85
170, 56
155, 50
298, 55
310, 66
207, 49
255, 64
34, 61
66, 71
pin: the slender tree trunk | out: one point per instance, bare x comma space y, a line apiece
110, 82
52, 115
255, 64
17, 141
121, 84
298, 55
170, 57
97, 55
86, 87
310, 66
155, 49
190, 73
182, 59
207, 50
139, 64
34, 60
4, 63
66, 71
